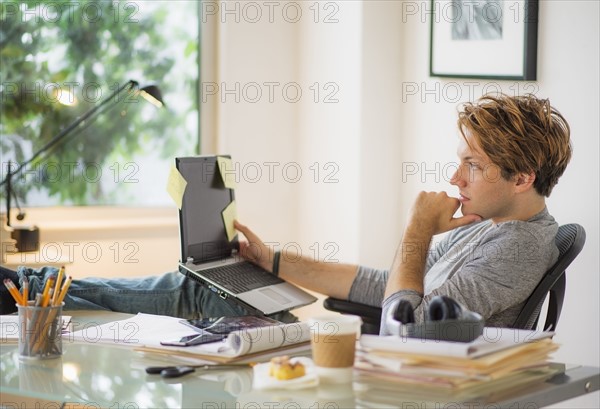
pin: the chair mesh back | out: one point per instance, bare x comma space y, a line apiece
565, 238
569, 240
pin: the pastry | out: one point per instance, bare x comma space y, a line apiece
281, 368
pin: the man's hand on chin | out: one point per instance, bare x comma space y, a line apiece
433, 213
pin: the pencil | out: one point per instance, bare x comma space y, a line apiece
63, 291
12, 289
61, 272
44, 342
25, 291
46, 293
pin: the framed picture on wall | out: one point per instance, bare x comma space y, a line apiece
495, 39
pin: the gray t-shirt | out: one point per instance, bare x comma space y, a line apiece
490, 269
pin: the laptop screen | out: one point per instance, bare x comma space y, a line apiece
201, 228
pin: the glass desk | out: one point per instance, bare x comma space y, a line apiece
94, 375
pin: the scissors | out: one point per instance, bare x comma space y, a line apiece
177, 371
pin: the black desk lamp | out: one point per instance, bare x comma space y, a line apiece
28, 237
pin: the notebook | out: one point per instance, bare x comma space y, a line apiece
208, 256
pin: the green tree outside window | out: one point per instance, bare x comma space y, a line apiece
90, 48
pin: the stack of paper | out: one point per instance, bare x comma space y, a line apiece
144, 332
499, 361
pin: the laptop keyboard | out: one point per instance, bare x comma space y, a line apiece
236, 277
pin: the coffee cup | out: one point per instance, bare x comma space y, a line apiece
333, 344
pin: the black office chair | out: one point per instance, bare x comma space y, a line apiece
569, 240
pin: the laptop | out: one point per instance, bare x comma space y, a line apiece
207, 255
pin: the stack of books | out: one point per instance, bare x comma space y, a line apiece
496, 364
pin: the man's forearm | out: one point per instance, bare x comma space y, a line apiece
332, 279
431, 214
409, 262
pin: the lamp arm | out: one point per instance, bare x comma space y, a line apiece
8, 193
131, 84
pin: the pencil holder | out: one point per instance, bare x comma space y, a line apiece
40, 331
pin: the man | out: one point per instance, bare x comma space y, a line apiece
512, 151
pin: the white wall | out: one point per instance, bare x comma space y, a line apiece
306, 133
381, 137
255, 122
329, 128
569, 75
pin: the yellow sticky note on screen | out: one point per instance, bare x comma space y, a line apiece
176, 186
229, 215
227, 171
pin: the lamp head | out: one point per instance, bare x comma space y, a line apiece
66, 97
152, 94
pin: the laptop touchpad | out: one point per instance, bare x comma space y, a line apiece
274, 295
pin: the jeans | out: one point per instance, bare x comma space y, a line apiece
172, 294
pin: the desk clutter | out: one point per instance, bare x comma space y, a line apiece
504, 366
499, 360
497, 363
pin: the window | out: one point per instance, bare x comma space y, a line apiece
59, 59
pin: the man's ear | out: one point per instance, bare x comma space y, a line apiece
524, 181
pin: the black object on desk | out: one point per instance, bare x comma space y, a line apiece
194, 339
177, 371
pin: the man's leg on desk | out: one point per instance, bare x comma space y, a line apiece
7, 305
171, 294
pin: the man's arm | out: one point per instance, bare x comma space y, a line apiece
332, 279
431, 214
500, 272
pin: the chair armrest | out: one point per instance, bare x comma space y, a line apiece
368, 313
